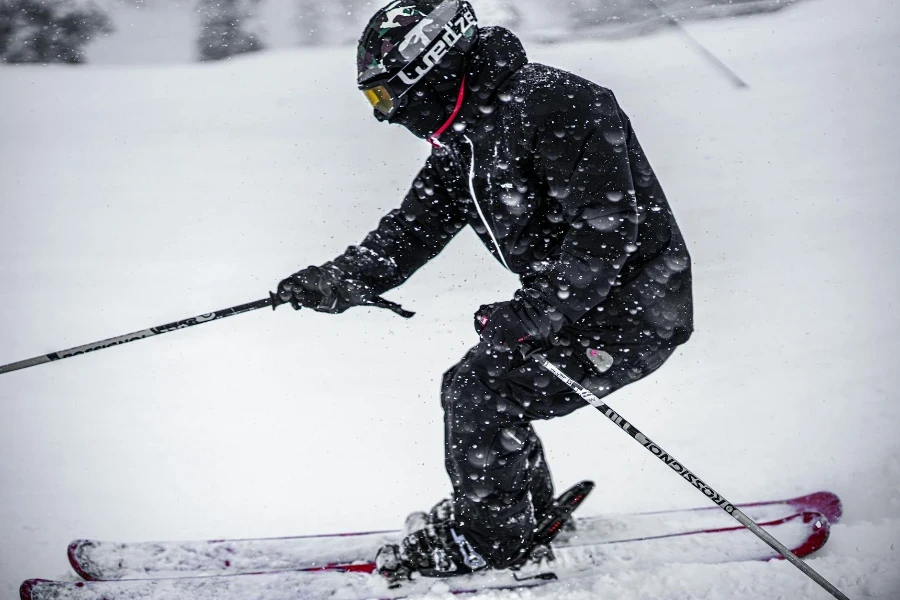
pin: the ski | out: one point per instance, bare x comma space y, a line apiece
804, 533
97, 560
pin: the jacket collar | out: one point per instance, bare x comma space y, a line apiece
497, 56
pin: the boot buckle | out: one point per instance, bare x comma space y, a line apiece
471, 559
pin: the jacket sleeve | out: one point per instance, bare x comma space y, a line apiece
581, 158
406, 238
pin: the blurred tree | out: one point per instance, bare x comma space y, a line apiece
497, 12
333, 22
224, 29
49, 31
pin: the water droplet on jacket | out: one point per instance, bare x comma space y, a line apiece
676, 263
512, 440
514, 201
541, 381
615, 137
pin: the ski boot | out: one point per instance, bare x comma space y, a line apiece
437, 550
433, 546
442, 511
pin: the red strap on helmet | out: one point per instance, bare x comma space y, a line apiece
433, 140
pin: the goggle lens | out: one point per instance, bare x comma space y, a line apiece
380, 99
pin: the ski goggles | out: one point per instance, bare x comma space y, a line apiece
385, 102
451, 25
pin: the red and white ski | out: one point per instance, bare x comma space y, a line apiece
96, 560
804, 533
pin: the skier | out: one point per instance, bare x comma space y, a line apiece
546, 168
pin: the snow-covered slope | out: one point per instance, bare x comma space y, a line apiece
136, 196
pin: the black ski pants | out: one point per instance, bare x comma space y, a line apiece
493, 455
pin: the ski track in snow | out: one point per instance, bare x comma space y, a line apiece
135, 196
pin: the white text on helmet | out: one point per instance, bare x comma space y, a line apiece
434, 56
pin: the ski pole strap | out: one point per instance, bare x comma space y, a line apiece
379, 302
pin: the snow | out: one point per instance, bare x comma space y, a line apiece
137, 196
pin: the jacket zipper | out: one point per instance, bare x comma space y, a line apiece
478, 205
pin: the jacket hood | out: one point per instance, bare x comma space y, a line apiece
497, 56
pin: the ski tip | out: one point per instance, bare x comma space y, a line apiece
582, 491
577, 493
821, 530
27, 591
827, 503
574, 496
75, 552
26, 588
587, 486
561, 512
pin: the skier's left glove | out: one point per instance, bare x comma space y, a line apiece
324, 289
506, 325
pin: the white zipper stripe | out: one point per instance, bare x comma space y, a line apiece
478, 206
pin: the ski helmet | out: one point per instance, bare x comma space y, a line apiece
405, 42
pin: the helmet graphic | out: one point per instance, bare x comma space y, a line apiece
405, 41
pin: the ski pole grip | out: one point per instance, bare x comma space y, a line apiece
276, 300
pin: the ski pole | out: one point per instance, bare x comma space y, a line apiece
689, 476
700, 48
273, 301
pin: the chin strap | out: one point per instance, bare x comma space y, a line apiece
433, 139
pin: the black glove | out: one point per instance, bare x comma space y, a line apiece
501, 325
323, 289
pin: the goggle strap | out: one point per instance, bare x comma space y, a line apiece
433, 139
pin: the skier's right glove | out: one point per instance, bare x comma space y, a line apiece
323, 289
504, 325
519, 323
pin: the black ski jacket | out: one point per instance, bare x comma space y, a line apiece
546, 168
